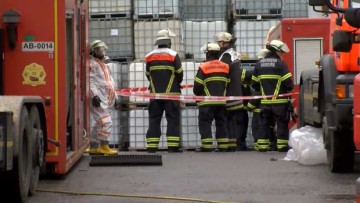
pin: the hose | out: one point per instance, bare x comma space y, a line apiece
130, 196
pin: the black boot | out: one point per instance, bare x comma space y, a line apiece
174, 150
284, 149
204, 150
151, 150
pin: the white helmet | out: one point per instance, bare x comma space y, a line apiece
210, 46
262, 53
279, 46
223, 37
97, 43
164, 34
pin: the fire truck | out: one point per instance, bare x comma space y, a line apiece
327, 96
44, 87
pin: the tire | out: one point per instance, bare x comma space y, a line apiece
340, 150
38, 150
21, 174
301, 119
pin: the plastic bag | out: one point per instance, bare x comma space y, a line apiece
307, 146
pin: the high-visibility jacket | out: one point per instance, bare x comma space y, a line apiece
237, 76
272, 77
164, 71
231, 54
211, 79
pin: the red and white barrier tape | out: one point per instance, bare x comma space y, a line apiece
143, 93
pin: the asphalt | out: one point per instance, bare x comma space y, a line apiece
202, 177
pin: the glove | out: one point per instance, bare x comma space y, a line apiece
292, 112
96, 101
117, 104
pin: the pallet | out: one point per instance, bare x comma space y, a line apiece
121, 59
110, 16
258, 16
133, 105
156, 16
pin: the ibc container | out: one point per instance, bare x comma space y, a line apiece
156, 9
137, 78
115, 135
199, 33
110, 6
251, 36
120, 73
190, 69
116, 33
207, 10
295, 9
138, 126
145, 32
190, 136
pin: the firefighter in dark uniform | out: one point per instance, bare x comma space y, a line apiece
237, 116
211, 80
253, 105
272, 77
164, 71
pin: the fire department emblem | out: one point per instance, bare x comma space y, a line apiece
34, 75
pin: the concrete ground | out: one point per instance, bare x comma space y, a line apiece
203, 177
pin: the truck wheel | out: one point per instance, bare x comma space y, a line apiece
301, 120
23, 163
340, 153
38, 150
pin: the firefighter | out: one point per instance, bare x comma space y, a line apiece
237, 116
211, 80
102, 95
272, 77
164, 71
253, 105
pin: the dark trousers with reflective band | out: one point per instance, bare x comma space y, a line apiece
269, 113
172, 114
206, 115
255, 127
237, 124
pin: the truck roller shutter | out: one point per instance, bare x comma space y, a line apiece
306, 52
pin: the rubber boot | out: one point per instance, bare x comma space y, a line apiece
92, 151
94, 148
105, 149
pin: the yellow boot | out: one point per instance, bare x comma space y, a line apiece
105, 149
92, 151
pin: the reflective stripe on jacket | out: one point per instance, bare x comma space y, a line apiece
211, 79
272, 77
164, 71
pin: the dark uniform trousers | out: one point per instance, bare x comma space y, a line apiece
172, 113
237, 124
206, 115
280, 113
255, 127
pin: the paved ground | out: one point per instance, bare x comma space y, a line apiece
230, 177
